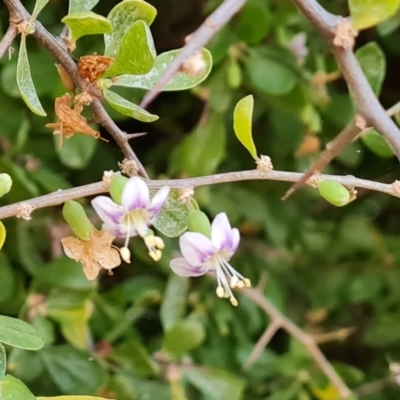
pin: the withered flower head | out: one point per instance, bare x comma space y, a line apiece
94, 254
92, 67
70, 120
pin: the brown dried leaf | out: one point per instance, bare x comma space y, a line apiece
94, 254
92, 67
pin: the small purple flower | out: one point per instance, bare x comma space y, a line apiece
135, 214
202, 254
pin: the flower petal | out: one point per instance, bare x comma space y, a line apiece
108, 211
196, 248
182, 268
135, 195
116, 230
222, 235
158, 201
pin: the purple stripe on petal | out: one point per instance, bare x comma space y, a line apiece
116, 230
158, 201
182, 268
135, 195
196, 248
107, 210
222, 234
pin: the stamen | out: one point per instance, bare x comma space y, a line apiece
247, 282
155, 255
125, 254
220, 292
233, 301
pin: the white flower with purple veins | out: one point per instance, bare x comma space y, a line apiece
133, 216
202, 254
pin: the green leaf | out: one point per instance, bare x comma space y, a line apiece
5, 184
242, 116
270, 76
25, 364
63, 273
134, 53
134, 355
73, 370
81, 5
74, 397
18, 333
76, 217
12, 388
77, 151
215, 383
86, 23
180, 81
377, 144
367, 13
184, 336
373, 63
174, 301
173, 219
123, 15
7, 275
125, 107
39, 5
25, 82
3, 361
3, 234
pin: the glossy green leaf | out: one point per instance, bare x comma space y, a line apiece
184, 336
7, 275
242, 124
3, 361
174, 301
39, 5
25, 364
367, 13
5, 184
123, 15
12, 389
172, 220
77, 151
81, 5
134, 53
377, 144
76, 217
270, 76
86, 23
373, 63
180, 81
18, 333
334, 192
25, 82
125, 107
3, 234
215, 383
73, 370
134, 355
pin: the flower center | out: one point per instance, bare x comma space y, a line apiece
138, 220
227, 277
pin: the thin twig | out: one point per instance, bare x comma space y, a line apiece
61, 196
198, 39
7, 39
257, 297
58, 49
367, 104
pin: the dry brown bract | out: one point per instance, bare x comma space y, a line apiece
94, 254
345, 35
24, 211
70, 120
92, 67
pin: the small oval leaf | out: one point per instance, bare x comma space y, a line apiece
18, 333
2, 234
25, 82
12, 388
125, 107
180, 81
334, 192
367, 13
39, 5
242, 116
86, 23
377, 144
134, 53
81, 5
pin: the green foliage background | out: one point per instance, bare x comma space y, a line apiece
327, 268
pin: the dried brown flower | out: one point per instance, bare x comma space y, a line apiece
70, 120
24, 211
94, 254
92, 67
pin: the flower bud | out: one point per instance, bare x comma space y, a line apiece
117, 185
76, 218
334, 192
2, 234
5, 184
199, 222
